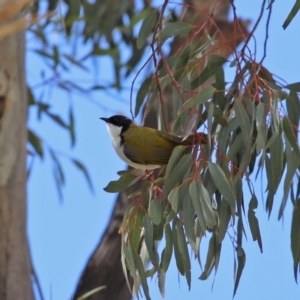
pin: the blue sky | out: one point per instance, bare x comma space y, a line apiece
63, 234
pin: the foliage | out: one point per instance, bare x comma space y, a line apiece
209, 190
252, 123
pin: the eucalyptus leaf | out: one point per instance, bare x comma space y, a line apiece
156, 210
147, 27
253, 222
148, 234
185, 254
204, 95
176, 176
127, 179
167, 253
241, 257
178, 256
223, 185
295, 238
172, 29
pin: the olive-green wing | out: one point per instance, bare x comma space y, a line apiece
145, 145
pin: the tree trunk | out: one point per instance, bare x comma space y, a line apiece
15, 264
104, 265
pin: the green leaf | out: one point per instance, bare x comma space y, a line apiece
276, 161
195, 196
225, 215
189, 219
253, 222
215, 62
292, 163
58, 173
36, 143
184, 253
142, 273
141, 94
175, 29
241, 256
75, 62
156, 210
174, 159
148, 234
72, 126
167, 253
178, 173
210, 259
161, 282
206, 204
295, 238
244, 122
136, 221
295, 87
128, 262
146, 28
288, 131
223, 185
203, 96
127, 179
57, 119
292, 14
173, 198
85, 172
178, 256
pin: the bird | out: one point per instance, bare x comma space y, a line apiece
142, 147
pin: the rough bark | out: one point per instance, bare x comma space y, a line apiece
104, 265
15, 265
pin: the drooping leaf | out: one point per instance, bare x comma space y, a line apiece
178, 173
146, 28
253, 222
225, 215
72, 126
36, 143
288, 131
210, 259
148, 233
195, 196
178, 256
295, 238
141, 94
127, 179
189, 219
223, 185
244, 122
182, 244
172, 29
174, 159
203, 96
85, 172
135, 227
156, 210
58, 173
167, 253
174, 199
241, 258
292, 14
142, 274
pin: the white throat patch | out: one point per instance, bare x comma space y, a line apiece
114, 132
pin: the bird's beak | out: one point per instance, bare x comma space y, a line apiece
104, 119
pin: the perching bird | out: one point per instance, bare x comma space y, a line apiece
143, 147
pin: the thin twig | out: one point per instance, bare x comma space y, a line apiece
267, 33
